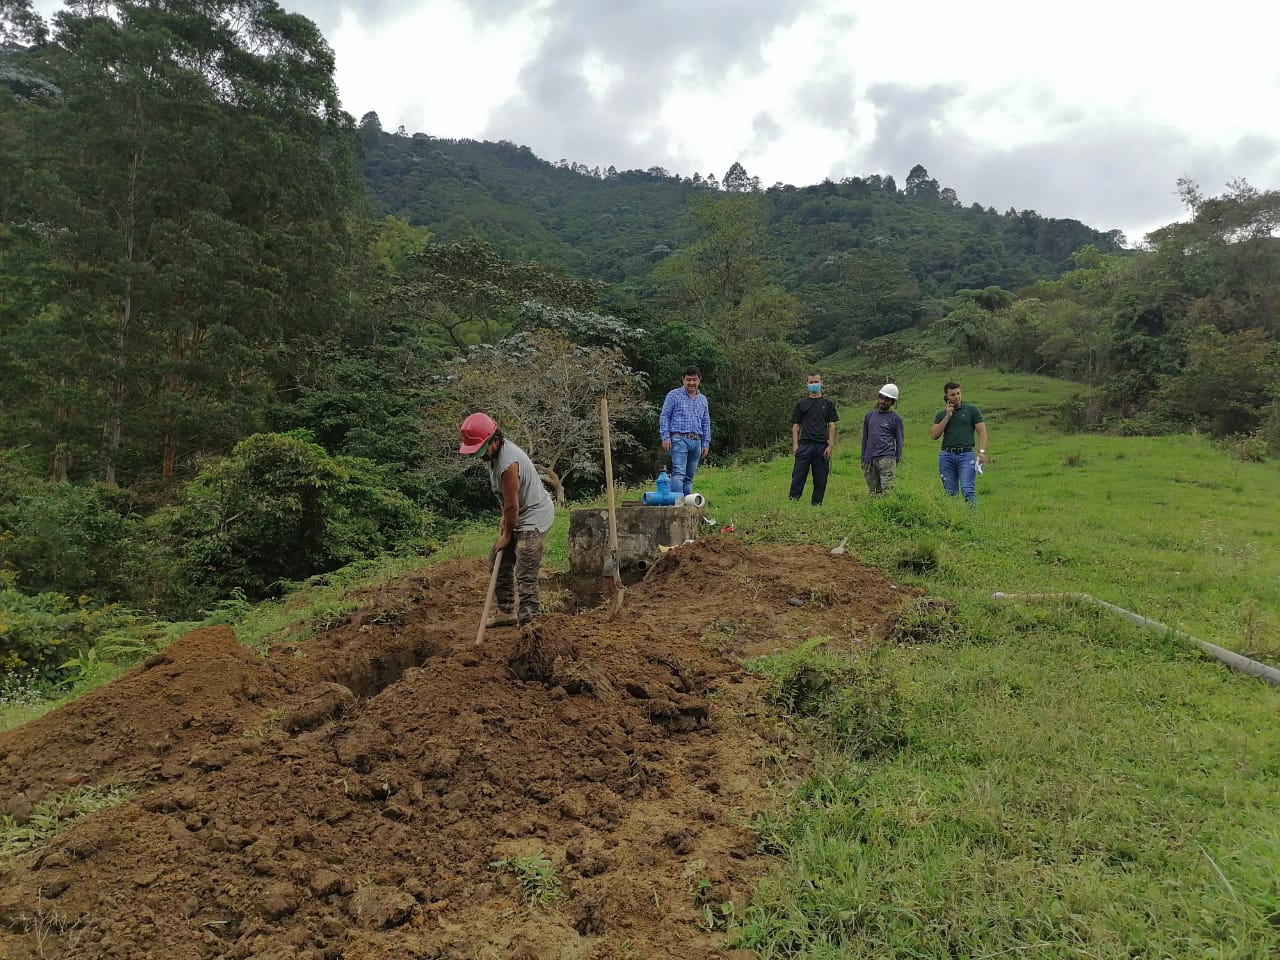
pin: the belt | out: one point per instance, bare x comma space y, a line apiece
957, 449
691, 436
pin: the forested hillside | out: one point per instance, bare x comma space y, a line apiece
864, 256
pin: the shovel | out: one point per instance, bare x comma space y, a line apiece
488, 600
611, 564
839, 551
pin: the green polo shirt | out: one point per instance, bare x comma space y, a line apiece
960, 430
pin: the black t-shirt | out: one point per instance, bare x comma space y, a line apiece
813, 414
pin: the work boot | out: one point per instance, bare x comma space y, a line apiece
500, 618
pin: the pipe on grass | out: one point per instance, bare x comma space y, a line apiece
1233, 660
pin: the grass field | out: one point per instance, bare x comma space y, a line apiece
1069, 785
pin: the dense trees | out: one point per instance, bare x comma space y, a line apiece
189, 196
622, 226
1178, 335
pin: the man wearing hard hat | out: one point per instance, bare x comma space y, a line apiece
882, 441
527, 515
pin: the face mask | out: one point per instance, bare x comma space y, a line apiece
815, 388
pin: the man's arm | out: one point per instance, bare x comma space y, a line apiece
866, 429
795, 438
706, 425
940, 426
981, 428
831, 439
664, 419
898, 437
510, 482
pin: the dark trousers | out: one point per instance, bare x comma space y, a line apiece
809, 457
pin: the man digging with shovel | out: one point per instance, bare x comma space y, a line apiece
527, 515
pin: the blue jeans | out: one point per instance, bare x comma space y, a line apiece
685, 454
958, 471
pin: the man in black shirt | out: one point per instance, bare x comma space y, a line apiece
813, 440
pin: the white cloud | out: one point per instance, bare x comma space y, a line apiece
435, 67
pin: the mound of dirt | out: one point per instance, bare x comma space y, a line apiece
203, 686
576, 789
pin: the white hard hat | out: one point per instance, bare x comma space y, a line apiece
889, 390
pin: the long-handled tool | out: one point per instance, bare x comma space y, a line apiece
615, 601
839, 551
488, 599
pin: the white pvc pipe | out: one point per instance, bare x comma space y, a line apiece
695, 500
1233, 660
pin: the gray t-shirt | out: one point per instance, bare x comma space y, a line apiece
537, 511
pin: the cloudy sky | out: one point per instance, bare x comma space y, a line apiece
1090, 109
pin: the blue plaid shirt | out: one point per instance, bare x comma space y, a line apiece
682, 413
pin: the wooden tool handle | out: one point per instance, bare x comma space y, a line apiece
488, 598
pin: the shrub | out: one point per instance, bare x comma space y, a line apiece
61, 537
1250, 447
39, 634
1079, 413
278, 509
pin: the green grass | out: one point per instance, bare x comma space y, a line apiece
54, 813
1068, 785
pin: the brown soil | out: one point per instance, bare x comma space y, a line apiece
349, 795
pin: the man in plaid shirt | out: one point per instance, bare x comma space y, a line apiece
685, 428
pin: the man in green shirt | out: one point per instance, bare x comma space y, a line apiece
964, 443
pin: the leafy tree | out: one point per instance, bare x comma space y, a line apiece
673, 346
61, 537
737, 180
754, 391
990, 298
278, 508
720, 277
465, 292
20, 24
1227, 383
1227, 256
722, 258
920, 186
860, 293
966, 328
544, 390
195, 152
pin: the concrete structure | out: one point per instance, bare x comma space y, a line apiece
641, 530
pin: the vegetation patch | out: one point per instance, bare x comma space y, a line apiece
32, 828
535, 877
924, 620
850, 703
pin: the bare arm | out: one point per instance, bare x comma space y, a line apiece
795, 437
510, 505
939, 428
981, 429
831, 439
